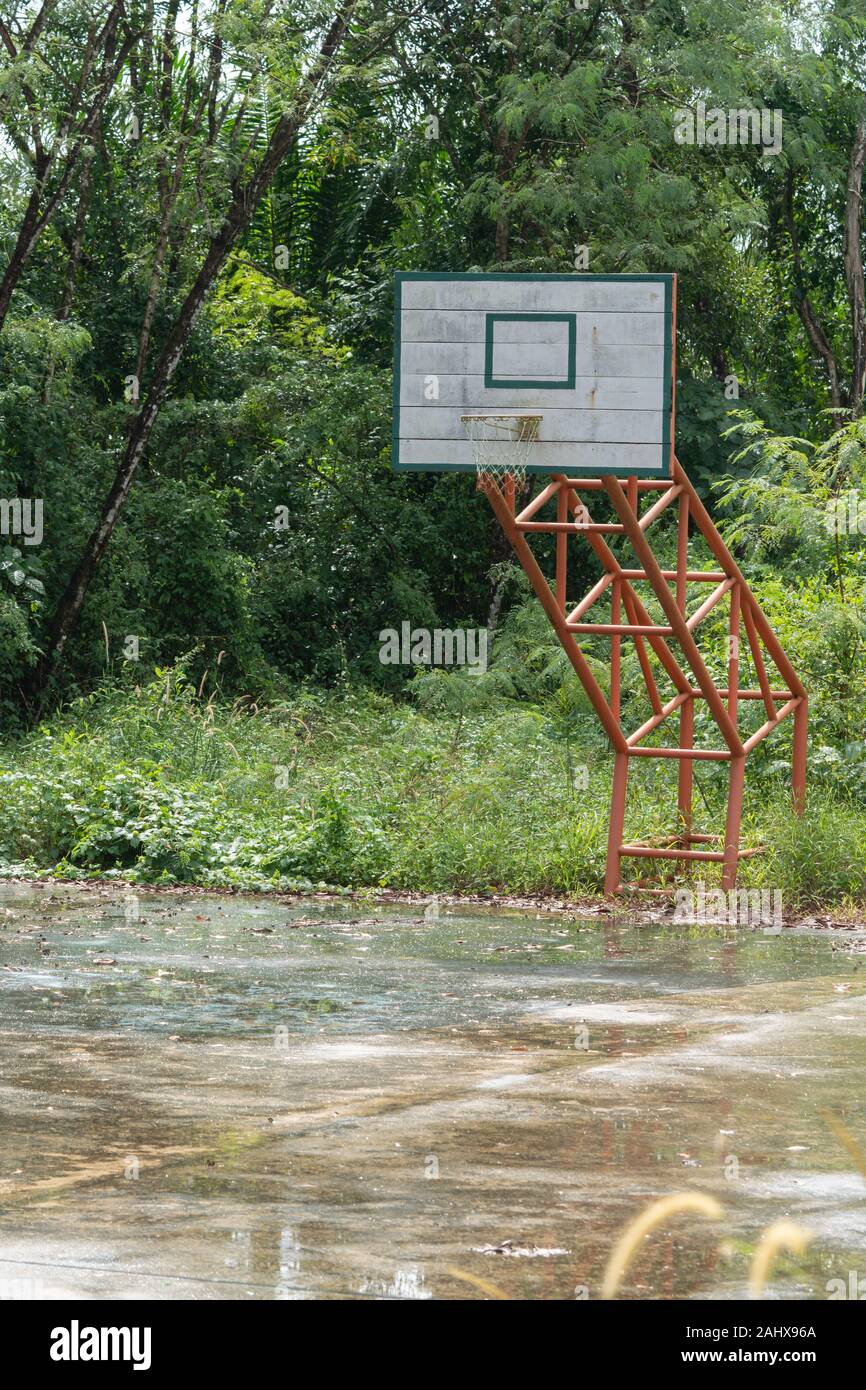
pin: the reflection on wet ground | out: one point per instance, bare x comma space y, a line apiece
211, 1098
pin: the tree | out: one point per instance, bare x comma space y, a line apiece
54, 136
814, 194
305, 82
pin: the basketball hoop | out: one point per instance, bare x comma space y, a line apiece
501, 444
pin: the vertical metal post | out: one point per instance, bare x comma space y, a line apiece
686, 772
615, 646
798, 770
510, 493
612, 880
561, 543
732, 824
734, 653
682, 551
687, 712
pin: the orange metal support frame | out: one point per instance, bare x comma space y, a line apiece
688, 673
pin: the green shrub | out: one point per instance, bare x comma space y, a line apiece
465, 793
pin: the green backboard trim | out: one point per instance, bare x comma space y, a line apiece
395, 388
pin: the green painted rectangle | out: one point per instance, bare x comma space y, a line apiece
490, 381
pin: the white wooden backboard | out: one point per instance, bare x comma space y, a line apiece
592, 354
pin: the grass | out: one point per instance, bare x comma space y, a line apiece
353, 789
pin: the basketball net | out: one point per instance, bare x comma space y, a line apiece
501, 445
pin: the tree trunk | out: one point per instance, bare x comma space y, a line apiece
25, 241
805, 308
72, 264
502, 239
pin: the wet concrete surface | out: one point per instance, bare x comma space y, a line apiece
232, 1098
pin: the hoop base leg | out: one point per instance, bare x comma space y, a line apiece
613, 876
732, 823
798, 771
686, 773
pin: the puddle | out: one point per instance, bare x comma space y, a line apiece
211, 1098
